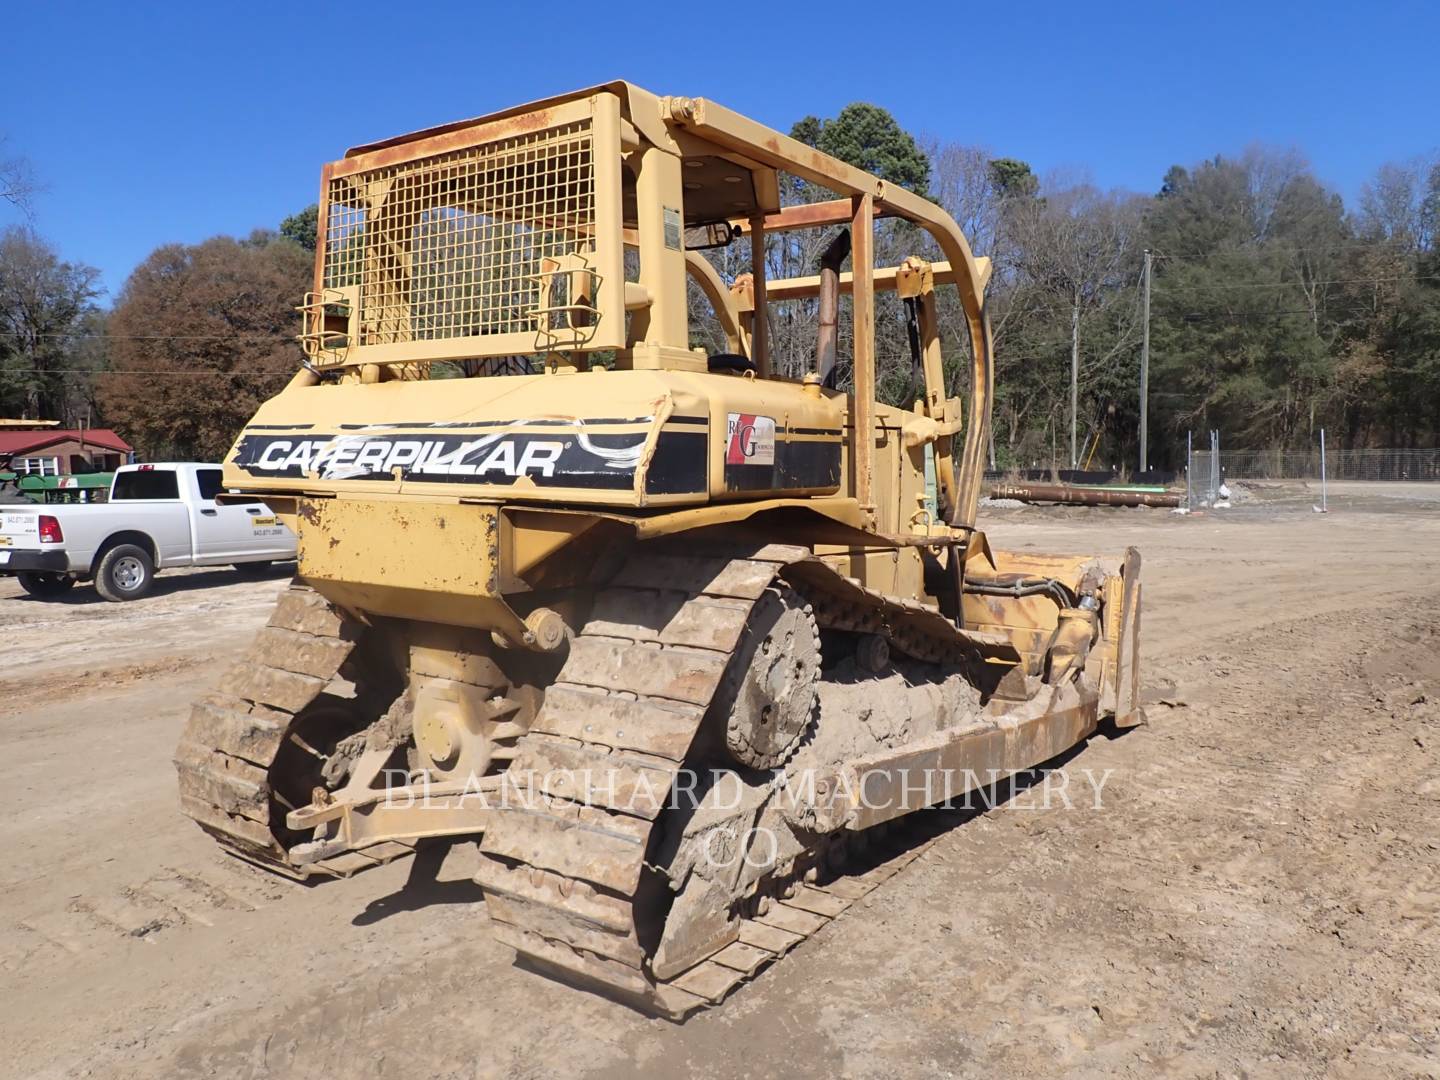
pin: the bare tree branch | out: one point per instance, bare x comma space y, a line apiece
17, 180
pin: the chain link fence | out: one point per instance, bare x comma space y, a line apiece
1209, 469
1339, 464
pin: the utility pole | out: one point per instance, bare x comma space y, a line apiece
1145, 375
1074, 380
1324, 501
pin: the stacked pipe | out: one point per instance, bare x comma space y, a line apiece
1074, 496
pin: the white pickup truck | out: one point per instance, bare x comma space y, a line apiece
158, 515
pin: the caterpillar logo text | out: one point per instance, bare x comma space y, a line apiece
354, 457
578, 458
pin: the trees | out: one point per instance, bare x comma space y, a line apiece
1275, 311
50, 327
201, 335
1075, 260
1013, 179
964, 183
869, 138
1397, 348
302, 227
1253, 313
46, 306
1400, 205
17, 179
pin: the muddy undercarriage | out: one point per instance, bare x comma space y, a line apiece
662, 806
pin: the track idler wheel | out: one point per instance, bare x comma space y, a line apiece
767, 698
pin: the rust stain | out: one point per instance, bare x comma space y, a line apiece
464, 135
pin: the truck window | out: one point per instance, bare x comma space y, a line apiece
209, 481
150, 484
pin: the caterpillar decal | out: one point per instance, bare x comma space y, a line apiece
552, 459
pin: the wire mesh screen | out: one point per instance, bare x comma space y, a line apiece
457, 245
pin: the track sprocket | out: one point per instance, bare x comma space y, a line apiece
767, 698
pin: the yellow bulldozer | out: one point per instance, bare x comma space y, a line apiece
671, 634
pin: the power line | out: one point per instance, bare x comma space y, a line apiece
139, 371
247, 335
1270, 249
1311, 284
1219, 316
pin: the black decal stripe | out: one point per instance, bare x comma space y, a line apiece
798, 466
681, 464
278, 427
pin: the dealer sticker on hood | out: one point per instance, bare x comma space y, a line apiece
751, 440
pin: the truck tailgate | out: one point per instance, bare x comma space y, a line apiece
19, 531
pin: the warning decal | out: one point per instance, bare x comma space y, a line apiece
751, 440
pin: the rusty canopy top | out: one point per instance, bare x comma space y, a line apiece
618, 87
710, 127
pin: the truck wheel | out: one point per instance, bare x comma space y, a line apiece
45, 585
126, 572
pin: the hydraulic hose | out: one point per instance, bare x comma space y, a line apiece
1037, 586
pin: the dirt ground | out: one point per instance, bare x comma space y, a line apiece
1256, 895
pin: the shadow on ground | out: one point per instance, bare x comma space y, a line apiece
170, 584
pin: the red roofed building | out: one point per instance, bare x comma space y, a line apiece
58, 451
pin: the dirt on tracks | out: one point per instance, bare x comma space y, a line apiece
1254, 891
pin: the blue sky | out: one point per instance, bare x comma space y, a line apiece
150, 123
